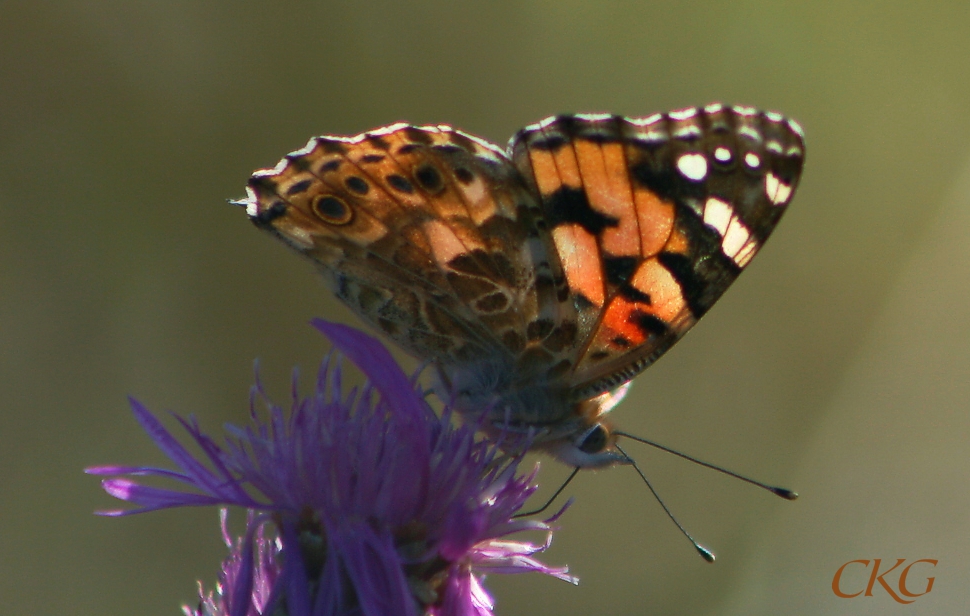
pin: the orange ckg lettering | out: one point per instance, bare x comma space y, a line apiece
905, 573
874, 578
838, 578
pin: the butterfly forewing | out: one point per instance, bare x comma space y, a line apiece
653, 219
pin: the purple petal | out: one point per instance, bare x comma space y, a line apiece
374, 568
150, 499
297, 590
202, 476
242, 590
214, 454
332, 588
377, 364
464, 596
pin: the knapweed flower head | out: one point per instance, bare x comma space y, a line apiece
376, 505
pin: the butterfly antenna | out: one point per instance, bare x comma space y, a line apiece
782, 492
551, 498
704, 552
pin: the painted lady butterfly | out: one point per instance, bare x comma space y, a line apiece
539, 280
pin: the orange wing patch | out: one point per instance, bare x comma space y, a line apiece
629, 322
581, 262
666, 298
607, 186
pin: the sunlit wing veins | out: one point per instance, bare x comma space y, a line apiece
653, 219
427, 233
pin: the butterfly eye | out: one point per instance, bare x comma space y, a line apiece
594, 441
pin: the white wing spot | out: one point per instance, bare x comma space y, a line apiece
750, 133
752, 160
309, 147
746, 253
735, 238
593, 117
718, 214
379, 132
540, 124
714, 108
490, 150
774, 116
778, 192
693, 166
251, 201
745, 111
647, 121
687, 132
546, 123
683, 114
722, 154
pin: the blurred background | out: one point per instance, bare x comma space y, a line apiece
837, 365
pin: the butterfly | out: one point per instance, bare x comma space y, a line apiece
540, 279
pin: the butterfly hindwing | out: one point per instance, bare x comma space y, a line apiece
430, 235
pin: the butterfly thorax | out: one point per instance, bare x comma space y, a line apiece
532, 412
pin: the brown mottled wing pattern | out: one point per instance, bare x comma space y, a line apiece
430, 235
653, 219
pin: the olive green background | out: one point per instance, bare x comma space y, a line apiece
837, 365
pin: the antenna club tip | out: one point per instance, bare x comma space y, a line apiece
785, 493
705, 553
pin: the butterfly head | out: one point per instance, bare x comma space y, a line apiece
591, 448
591, 441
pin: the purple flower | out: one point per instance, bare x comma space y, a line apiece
378, 505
